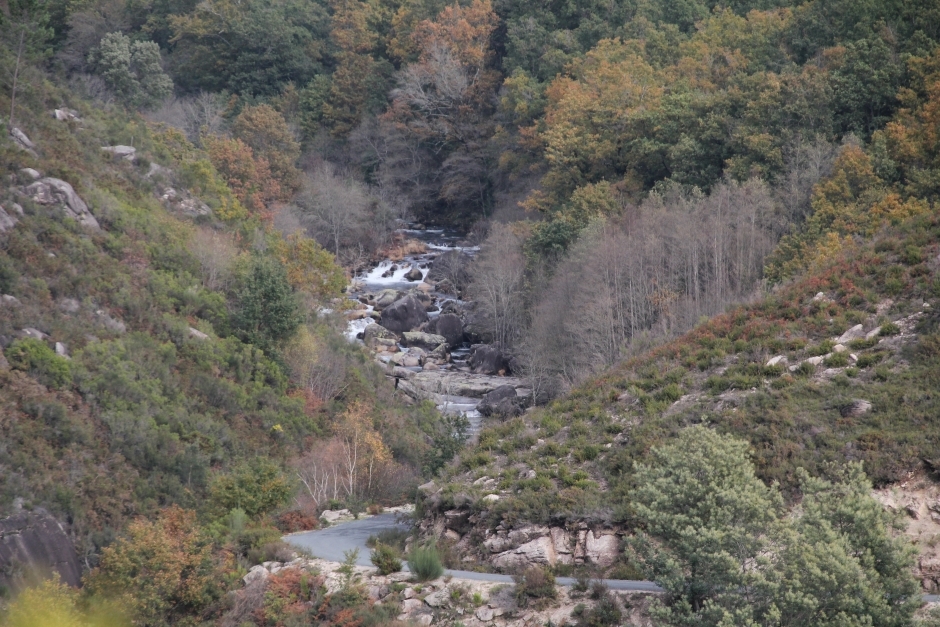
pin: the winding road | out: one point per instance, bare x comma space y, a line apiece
332, 542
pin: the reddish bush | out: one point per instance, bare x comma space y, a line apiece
296, 520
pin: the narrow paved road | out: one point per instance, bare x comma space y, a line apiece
330, 543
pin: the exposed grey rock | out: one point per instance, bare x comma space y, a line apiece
855, 409
66, 115
61, 349
9, 301
503, 401
386, 298
197, 334
538, 551
458, 520
437, 599
38, 541
51, 191
256, 573
601, 549
403, 315
854, 333
449, 326
129, 153
69, 305
414, 274
31, 174
373, 333
110, 323
7, 222
21, 140
428, 488
484, 614
779, 359
30, 332
487, 359
458, 383
426, 341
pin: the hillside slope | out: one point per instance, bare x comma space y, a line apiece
840, 365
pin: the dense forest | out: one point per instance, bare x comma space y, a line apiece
174, 368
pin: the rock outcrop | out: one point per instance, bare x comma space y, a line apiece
56, 192
37, 541
7, 221
503, 402
403, 315
424, 341
448, 325
488, 359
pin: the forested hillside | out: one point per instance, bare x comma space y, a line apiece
687, 213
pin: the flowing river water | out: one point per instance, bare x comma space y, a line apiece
452, 386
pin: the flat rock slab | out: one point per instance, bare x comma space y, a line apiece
461, 383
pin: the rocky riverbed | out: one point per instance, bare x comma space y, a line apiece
409, 313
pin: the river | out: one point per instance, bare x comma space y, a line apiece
453, 387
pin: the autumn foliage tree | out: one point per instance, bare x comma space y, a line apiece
444, 100
265, 131
249, 177
161, 570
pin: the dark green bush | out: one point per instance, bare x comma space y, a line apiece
869, 359
862, 344
837, 360
386, 559
35, 357
889, 328
425, 563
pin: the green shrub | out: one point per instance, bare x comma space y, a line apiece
889, 328
35, 357
862, 344
805, 369
912, 255
394, 538
605, 613
385, 559
587, 453
425, 563
837, 360
671, 393
823, 348
869, 359
476, 460
534, 584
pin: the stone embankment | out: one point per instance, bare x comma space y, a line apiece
443, 601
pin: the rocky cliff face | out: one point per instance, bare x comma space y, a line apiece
36, 541
510, 548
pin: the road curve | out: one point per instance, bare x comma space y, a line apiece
330, 543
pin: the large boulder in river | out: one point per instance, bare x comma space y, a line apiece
425, 341
386, 298
50, 191
488, 359
503, 402
403, 315
375, 335
414, 274
448, 325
